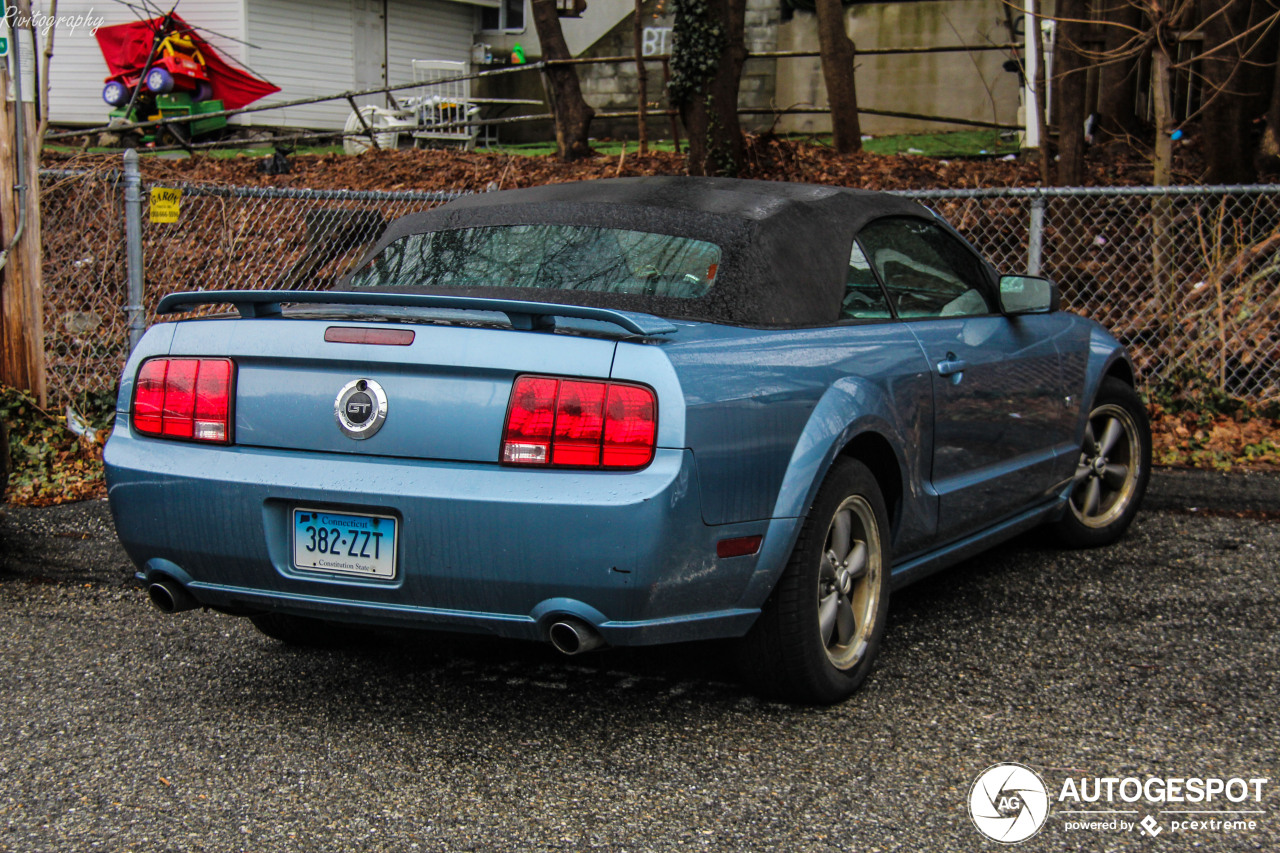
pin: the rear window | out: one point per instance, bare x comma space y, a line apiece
548, 257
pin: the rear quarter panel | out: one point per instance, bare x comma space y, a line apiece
768, 411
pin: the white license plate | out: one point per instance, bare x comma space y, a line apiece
337, 543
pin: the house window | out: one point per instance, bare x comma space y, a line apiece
507, 17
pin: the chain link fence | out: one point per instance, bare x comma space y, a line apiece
86, 328
1187, 277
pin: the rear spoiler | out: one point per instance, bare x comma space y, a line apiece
526, 316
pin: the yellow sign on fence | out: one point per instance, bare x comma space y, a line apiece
165, 204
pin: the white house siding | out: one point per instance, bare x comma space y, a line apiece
426, 29
306, 50
77, 70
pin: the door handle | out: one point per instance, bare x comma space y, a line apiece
952, 368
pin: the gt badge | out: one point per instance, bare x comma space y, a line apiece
361, 408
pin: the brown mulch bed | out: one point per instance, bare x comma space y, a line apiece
768, 158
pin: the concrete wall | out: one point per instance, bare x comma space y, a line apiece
960, 85
616, 88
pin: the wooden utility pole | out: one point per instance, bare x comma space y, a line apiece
21, 288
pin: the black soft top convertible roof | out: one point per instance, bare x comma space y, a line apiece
785, 247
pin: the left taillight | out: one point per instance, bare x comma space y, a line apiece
579, 423
184, 398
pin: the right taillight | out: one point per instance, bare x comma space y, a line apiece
185, 398
579, 423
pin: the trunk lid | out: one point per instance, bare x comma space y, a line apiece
446, 392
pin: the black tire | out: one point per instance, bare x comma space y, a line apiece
801, 649
301, 630
1112, 473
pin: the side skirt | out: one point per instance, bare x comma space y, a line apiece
962, 549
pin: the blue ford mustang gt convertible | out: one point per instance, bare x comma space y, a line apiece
623, 412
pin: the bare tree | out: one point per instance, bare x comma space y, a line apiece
572, 113
1118, 76
1069, 66
1234, 49
837, 51
1238, 58
707, 54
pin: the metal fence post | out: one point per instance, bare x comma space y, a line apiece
133, 246
1035, 237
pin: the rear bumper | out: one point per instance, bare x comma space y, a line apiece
481, 548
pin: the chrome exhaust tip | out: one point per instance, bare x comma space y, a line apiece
170, 596
573, 637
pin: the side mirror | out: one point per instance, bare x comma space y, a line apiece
1027, 294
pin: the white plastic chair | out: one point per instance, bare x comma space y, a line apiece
387, 126
441, 103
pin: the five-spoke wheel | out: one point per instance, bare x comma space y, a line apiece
1112, 471
849, 582
818, 633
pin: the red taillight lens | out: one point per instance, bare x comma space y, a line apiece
148, 397
213, 401
184, 398
630, 427
579, 423
530, 416
180, 397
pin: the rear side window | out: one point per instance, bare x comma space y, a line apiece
927, 272
863, 297
549, 257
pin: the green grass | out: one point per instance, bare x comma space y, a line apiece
965, 143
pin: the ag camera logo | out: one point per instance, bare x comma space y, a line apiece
1008, 803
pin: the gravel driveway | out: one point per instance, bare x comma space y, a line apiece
124, 729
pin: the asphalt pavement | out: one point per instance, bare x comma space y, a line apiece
123, 729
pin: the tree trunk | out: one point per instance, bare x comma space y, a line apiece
1269, 147
1069, 65
1161, 92
572, 114
1225, 127
707, 55
837, 53
1117, 84
21, 289
642, 83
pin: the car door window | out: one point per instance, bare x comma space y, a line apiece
864, 299
927, 272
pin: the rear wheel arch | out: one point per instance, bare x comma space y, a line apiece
876, 452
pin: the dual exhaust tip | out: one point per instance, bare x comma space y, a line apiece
573, 636
570, 635
169, 596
